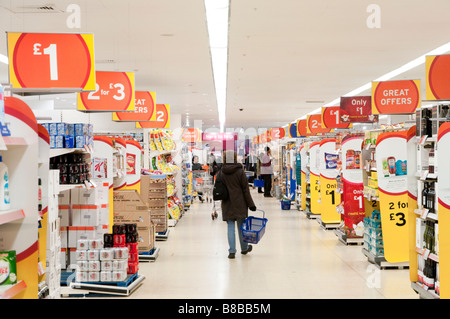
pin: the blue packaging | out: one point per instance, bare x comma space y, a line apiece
78, 129
90, 130
61, 129
52, 141
69, 141
52, 129
79, 141
70, 129
59, 141
45, 125
401, 167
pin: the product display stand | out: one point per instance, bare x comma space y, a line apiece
314, 181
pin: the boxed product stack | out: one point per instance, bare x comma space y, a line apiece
95, 263
84, 215
74, 168
154, 193
129, 208
125, 235
373, 236
67, 135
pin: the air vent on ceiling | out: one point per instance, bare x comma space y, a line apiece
43, 8
105, 61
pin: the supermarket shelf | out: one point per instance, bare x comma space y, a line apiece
11, 215
382, 263
430, 256
61, 151
424, 293
348, 240
11, 141
12, 290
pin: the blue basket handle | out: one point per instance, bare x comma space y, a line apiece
264, 213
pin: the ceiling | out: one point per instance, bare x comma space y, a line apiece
286, 57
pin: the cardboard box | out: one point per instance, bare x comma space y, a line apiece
140, 217
157, 202
128, 200
150, 184
64, 215
88, 196
64, 198
146, 238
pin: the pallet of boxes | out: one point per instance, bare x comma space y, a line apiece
154, 193
130, 208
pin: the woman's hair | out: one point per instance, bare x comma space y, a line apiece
194, 157
229, 157
267, 149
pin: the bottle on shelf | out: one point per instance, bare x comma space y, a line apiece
431, 199
425, 195
4, 186
431, 160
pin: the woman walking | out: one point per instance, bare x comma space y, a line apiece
235, 208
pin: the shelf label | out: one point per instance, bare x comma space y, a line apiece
395, 97
357, 109
162, 118
331, 118
49, 61
114, 91
144, 109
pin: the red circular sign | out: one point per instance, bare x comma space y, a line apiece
49, 60
332, 117
396, 97
438, 77
315, 124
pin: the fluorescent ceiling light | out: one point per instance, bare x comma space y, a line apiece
4, 59
217, 18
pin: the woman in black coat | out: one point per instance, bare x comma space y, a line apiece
235, 208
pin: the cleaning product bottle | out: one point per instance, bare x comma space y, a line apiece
4, 186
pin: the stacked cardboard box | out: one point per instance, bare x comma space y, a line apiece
129, 207
154, 193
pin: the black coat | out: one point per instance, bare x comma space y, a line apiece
240, 199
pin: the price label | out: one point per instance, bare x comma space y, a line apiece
162, 118
144, 109
357, 109
51, 61
331, 118
114, 91
314, 125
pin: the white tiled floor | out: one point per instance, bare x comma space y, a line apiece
296, 258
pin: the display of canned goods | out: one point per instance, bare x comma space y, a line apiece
106, 254
63, 179
108, 238
133, 257
107, 265
120, 253
120, 264
93, 254
119, 275
119, 240
132, 248
93, 276
132, 237
63, 168
83, 265
94, 265
105, 275
131, 228
119, 229
81, 254
95, 244
81, 276
82, 244
74, 179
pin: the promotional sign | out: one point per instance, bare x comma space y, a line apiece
223, 136
314, 178
352, 179
437, 70
144, 109
114, 91
292, 130
162, 118
331, 117
133, 165
443, 192
51, 62
191, 135
268, 136
357, 109
263, 138
314, 125
255, 140
302, 128
304, 175
395, 97
277, 133
392, 186
330, 198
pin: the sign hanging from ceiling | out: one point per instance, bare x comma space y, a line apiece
314, 125
144, 109
162, 118
292, 130
395, 97
302, 129
191, 135
277, 133
357, 109
331, 117
437, 71
51, 62
114, 91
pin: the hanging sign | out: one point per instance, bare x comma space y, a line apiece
357, 109
162, 118
263, 137
437, 70
191, 135
304, 168
314, 125
314, 178
302, 129
114, 91
331, 117
391, 159
292, 130
53, 62
330, 198
395, 97
352, 178
269, 135
277, 133
144, 109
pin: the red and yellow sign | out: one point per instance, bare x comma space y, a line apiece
114, 91
437, 70
191, 135
331, 118
277, 133
395, 97
314, 125
162, 119
47, 61
357, 109
144, 109
302, 128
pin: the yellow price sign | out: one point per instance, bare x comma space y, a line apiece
315, 194
330, 198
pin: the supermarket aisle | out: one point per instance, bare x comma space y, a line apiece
295, 259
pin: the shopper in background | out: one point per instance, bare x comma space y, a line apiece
235, 208
267, 171
196, 173
258, 170
250, 165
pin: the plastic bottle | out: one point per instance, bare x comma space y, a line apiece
4, 187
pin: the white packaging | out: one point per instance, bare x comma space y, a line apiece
119, 275
81, 276
105, 276
120, 253
93, 254
94, 265
81, 255
95, 244
88, 196
75, 216
93, 276
4, 187
64, 237
107, 265
83, 244
83, 265
75, 196
64, 198
420, 229
106, 254
64, 215
120, 264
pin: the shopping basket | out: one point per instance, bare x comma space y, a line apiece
258, 183
285, 204
253, 229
